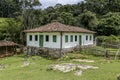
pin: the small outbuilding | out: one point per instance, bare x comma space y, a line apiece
7, 48
59, 36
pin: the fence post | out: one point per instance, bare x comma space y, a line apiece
106, 54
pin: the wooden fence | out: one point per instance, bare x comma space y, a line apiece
105, 52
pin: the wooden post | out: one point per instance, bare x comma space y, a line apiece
15, 50
95, 42
1, 50
61, 42
27, 50
6, 50
106, 54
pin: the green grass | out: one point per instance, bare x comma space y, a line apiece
37, 70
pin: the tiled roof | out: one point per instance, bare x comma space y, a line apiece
59, 27
7, 43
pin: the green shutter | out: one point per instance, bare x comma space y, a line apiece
80, 40
90, 37
41, 42
66, 38
54, 38
71, 38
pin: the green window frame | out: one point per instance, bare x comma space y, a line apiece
86, 37
30, 37
75, 37
71, 38
54, 38
36, 37
66, 38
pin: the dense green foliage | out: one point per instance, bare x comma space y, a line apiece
88, 20
10, 29
109, 24
102, 16
108, 39
10, 8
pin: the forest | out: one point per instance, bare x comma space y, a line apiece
101, 16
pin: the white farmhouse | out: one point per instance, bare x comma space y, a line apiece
59, 36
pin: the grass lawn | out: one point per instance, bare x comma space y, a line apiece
37, 70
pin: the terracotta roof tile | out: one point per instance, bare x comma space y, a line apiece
7, 43
58, 27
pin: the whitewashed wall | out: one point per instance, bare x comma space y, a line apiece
87, 42
52, 44
49, 44
75, 43
33, 42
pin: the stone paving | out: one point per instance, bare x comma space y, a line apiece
83, 60
67, 67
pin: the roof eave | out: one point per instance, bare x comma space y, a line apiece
59, 31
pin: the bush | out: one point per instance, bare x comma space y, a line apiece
108, 39
112, 39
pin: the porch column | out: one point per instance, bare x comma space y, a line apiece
61, 43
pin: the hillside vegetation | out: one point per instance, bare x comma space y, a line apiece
10, 29
102, 16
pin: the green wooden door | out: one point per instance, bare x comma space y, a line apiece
41, 40
80, 40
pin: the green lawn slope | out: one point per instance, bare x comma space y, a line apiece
37, 70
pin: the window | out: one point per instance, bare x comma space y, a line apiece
30, 37
71, 38
66, 38
47, 38
90, 37
54, 38
86, 37
36, 37
75, 37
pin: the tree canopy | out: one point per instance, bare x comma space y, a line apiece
109, 24
102, 16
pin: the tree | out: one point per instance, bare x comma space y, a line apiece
109, 24
113, 5
10, 8
10, 28
88, 20
65, 8
58, 6
97, 6
67, 18
28, 15
101, 7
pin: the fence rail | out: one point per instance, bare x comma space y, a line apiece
105, 52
